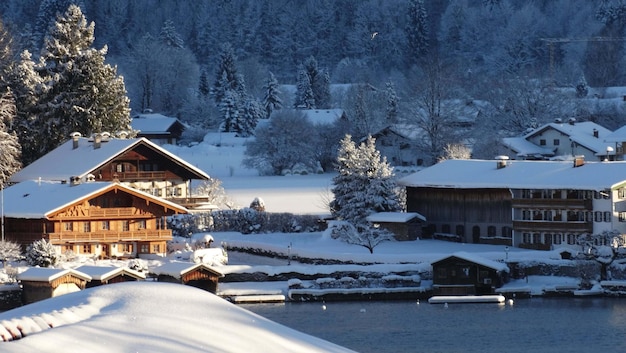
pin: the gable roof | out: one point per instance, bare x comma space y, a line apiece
154, 123
105, 273
580, 132
65, 161
322, 116
498, 266
178, 269
42, 199
44, 274
523, 147
484, 174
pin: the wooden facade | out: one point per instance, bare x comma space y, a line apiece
101, 275
108, 220
474, 215
467, 275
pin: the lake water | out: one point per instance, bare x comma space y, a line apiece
529, 325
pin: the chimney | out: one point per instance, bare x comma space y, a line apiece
501, 161
595, 133
97, 141
74, 180
75, 137
571, 121
579, 161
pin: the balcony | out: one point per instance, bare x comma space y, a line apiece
586, 204
110, 236
123, 176
546, 226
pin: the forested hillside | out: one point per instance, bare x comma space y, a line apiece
402, 58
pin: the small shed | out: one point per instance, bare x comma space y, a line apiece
108, 275
196, 275
404, 225
43, 283
463, 273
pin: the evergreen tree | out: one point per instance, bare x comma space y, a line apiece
82, 93
250, 114
313, 86
49, 10
203, 86
392, 103
170, 37
230, 113
41, 253
416, 31
271, 100
304, 93
364, 185
10, 149
227, 78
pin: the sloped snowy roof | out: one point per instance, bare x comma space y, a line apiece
498, 266
178, 269
394, 217
153, 123
474, 174
43, 274
523, 147
579, 132
618, 135
38, 199
65, 161
103, 273
322, 116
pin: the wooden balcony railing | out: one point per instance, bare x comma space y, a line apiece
139, 175
553, 203
113, 212
111, 236
547, 226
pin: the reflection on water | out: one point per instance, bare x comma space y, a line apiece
529, 325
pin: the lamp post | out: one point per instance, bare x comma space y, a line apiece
506, 252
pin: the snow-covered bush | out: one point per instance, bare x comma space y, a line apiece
138, 265
9, 251
41, 253
211, 257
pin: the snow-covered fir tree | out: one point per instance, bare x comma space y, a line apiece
169, 36
250, 113
226, 76
10, 149
392, 103
81, 92
364, 185
271, 99
48, 12
313, 86
304, 92
203, 86
41, 253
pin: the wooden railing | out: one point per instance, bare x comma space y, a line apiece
111, 236
553, 203
139, 175
536, 226
112, 212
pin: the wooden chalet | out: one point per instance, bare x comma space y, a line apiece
109, 275
134, 162
98, 219
467, 274
538, 205
404, 225
158, 128
43, 283
196, 275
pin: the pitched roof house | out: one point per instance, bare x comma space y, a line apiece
519, 203
101, 219
40, 283
136, 162
562, 140
108, 275
198, 275
158, 128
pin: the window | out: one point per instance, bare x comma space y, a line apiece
119, 168
127, 248
622, 216
445, 228
442, 273
621, 193
86, 248
68, 248
460, 230
69, 226
547, 238
86, 227
491, 231
542, 142
536, 238
507, 232
556, 142
105, 225
141, 224
156, 248
160, 224
607, 216
144, 248
598, 216
571, 239
558, 238
526, 238
125, 226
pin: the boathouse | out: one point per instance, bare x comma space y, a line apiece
42, 283
196, 275
108, 275
467, 274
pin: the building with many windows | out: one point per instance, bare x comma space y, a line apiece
529, 204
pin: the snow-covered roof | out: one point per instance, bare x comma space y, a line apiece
39, 199
478, 174
523, 147
178, 269
65, 161
44, 274
498, 266
103, 273
322, 116
153, 123
394, 217
580, 132
618, 135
